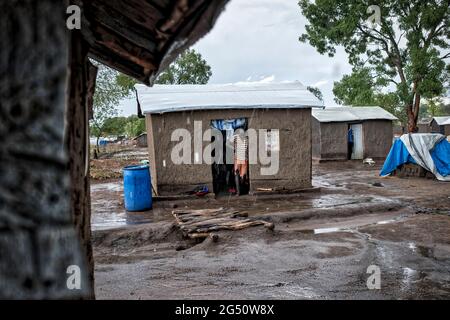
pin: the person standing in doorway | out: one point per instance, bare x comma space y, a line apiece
350, 143
240, 159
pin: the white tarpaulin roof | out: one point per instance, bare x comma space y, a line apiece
171, 98
419, 146
441, 121
345, 114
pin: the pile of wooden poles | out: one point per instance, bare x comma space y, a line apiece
198, 224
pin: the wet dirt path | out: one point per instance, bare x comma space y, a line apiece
324, 256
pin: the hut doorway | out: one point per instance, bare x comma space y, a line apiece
357, 146
231, 172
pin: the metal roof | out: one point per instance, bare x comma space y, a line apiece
172, 98
347, 114
442, 121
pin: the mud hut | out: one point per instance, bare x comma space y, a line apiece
279, 114
370, 129
423, 125
440, 125
141, 140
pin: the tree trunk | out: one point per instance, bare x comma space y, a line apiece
38, 241
412, 110
412, 124
97, 147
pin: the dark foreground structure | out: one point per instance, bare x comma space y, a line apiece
371, 129
46, 88
279, 114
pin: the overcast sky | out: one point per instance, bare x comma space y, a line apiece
257, 40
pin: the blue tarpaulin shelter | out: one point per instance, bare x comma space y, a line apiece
399, 155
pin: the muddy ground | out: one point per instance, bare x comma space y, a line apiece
321, 247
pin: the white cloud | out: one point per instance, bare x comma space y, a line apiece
253, 38
262, 79
320, 83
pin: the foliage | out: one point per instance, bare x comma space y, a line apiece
188, 68
434, 108
108, 93
357, 89
115, 126
130, 127
405, 52
360, 89
134, 126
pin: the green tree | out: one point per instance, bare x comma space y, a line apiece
188, 68
405, 50
108, 93
446, 109
356, 89
134, 126
361, 89
434, 107
115, 126
316, 92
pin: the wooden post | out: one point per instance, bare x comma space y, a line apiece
38, 242
80, 90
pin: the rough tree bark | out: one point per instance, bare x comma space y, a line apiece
38, 241
412, 111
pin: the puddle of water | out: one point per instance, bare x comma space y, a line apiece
326, 230
111, 219
108, 210
385, 221
328, 201
385, 255
323, 182
408, 277
412, 246
302, 292
109, 186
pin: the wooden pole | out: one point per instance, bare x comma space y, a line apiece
80, 90
38, 242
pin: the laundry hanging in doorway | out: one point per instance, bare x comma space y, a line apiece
229, 125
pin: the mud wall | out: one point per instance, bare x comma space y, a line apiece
333, 140
315, 138
424, 128
435, 128
377, 138
295, 148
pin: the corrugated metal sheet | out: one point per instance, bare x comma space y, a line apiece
347, 114
171, 98
441, 121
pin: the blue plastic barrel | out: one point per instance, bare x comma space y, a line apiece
137, 189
